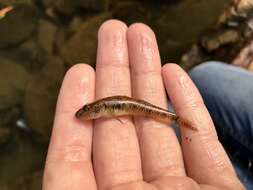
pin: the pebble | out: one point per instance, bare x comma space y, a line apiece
13, 80
17, 25
41, 97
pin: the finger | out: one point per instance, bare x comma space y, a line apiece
160, 150
116, 149
205, 158
68, 164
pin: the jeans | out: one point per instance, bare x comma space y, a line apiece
228, 94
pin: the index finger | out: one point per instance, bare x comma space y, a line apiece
68, 164
206, 161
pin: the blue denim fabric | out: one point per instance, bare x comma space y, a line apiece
228, 94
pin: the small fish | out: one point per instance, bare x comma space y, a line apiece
116, 106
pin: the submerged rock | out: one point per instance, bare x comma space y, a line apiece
230, 40
5, 134
245, 56
15, 2
24, 54
180, 26
13, 80
140, 12
32, 182
17, 25
193, 57
19, 160
68, 7
82, 45
41, 96
46, 36
212, 42
9, 116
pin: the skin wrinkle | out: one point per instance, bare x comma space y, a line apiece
147, 72
119, 157
165, 164
226, 181
191, 103
152, 87
190, 95
71, 153
112, 65
117, 78
179, 183
134, 185
70, 183
164, 150
78, 132
115, 40
168, 163
216, 164
118, 45
214, 152
124, 176
176, 170
146, 48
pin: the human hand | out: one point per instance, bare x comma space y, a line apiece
142, 154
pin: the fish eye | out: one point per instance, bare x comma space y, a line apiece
86, 108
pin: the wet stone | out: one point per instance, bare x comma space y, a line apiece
81, 47
46, 36
15, 2
193, 57
41, 97
75, 23
26, 54
140, 12
5, 134
245, 56
214, 41
68, 7
28, 182
180, 26
17, 25
13, 80
9, 116
32, 182
47, 3
243, 5
20, 157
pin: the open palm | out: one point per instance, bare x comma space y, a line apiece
140, 154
